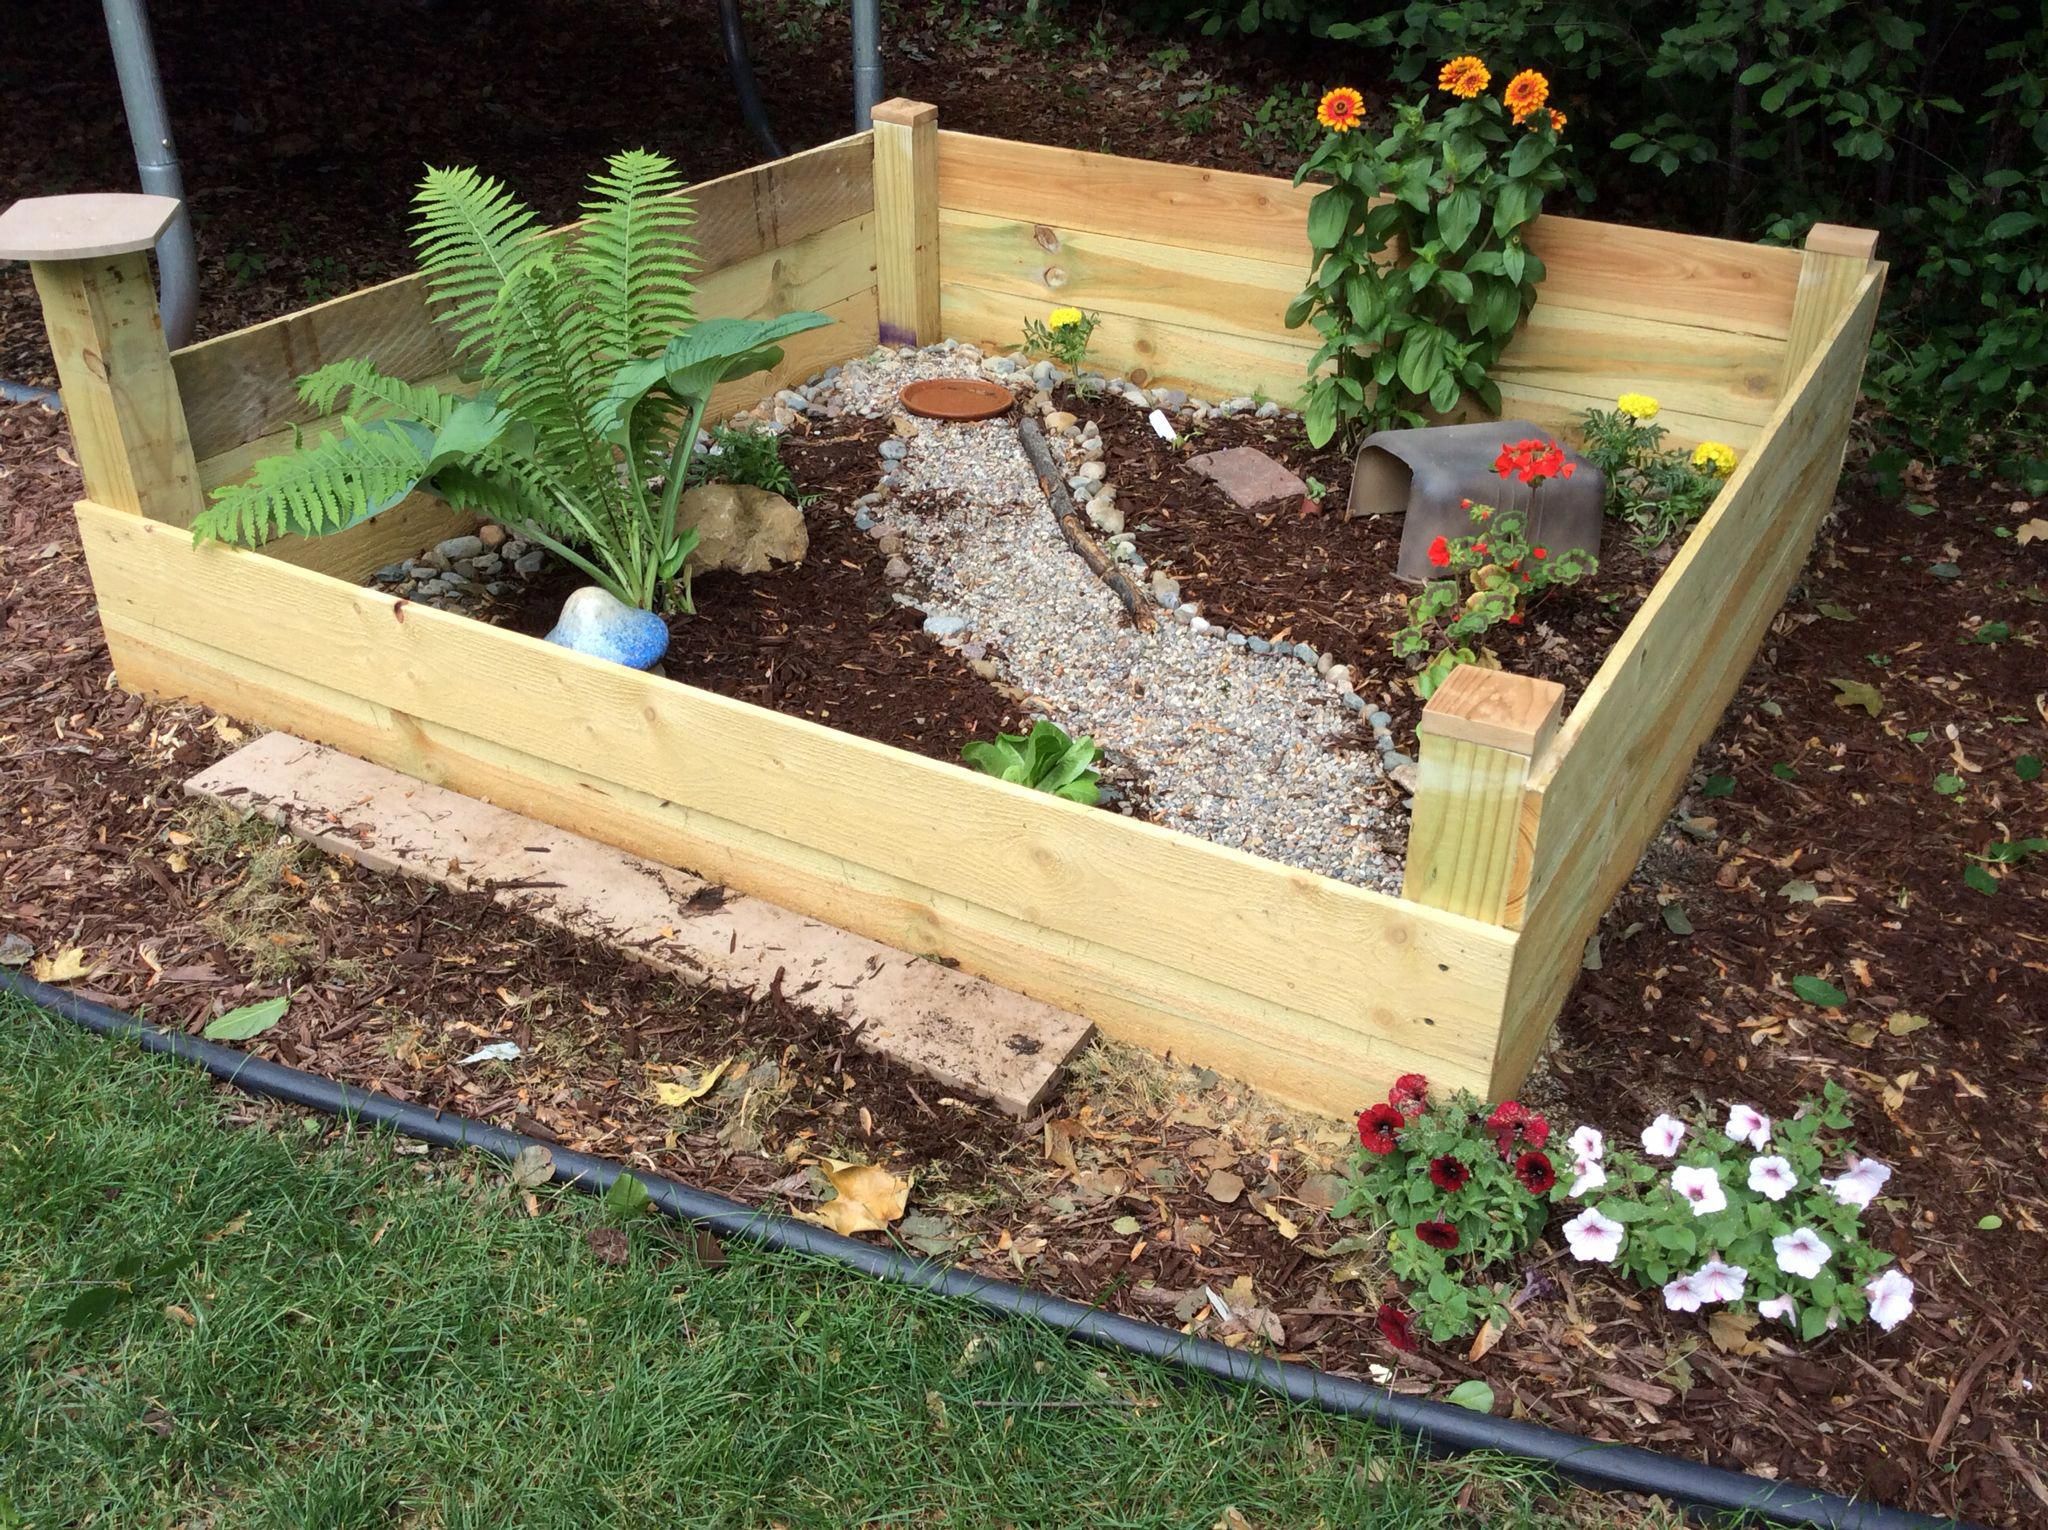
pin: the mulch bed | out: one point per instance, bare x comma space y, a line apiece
1141, 1192
822, 639
1319, 579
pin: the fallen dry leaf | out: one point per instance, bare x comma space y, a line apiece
869, 1198
684, 1093
67, 964
1730, 1333
2035, 530
1224, 1186
1485, 1339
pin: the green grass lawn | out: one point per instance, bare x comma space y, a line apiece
350, 1334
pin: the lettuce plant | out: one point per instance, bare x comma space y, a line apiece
1045, 759
595, 378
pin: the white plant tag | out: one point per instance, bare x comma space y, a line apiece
1163, 426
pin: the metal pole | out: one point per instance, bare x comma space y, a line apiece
156, 160
867, 61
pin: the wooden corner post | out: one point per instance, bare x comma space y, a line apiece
90, 259
1469, 846
1831, 265
907, 222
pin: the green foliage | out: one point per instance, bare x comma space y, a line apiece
595, 382
746, 456
1925, 119
1450, 1183
1492, 576
1658, 494
1064, 335
1419, 276
1667, 1234
1046, 760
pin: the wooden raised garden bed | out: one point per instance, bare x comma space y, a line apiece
1525, 824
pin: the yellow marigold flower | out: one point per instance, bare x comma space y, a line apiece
1637, 406
1526, 93
1716, 455
1464, 77
1063, 318
1341, 110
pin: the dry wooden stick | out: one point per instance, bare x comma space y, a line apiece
1068, 519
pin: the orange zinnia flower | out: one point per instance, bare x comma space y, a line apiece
1557, 120
1464, 77
1526, 93
1341, 109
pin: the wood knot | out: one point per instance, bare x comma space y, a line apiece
1054, 277
1048, 238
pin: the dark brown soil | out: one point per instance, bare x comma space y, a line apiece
1283, 572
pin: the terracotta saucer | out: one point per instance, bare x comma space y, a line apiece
958, 398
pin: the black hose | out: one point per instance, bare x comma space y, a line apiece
742, 70
1439, 1426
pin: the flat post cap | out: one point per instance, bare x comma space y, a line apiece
85, 226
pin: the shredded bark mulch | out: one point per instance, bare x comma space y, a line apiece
1147, 1189
1313, 577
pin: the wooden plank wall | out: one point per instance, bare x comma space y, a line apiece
1164, 939
796, 233
1192, 270
1619, 761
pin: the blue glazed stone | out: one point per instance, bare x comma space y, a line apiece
596, 622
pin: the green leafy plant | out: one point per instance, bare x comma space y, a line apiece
1658, 494
1419, 274
1045, 759
1462, 1190
1064, 336
738, 455
1490, 577
1743, 1214
595, 381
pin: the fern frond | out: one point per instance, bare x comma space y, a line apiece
549, 377
633, 254
325, 487
471, 235
365, 385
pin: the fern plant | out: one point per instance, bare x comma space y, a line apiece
595, 376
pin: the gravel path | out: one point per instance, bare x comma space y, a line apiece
1235, 746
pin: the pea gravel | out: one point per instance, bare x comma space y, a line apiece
1235, 746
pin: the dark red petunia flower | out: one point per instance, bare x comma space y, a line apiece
1535, 1130
1437, 1234
1409, 1094
1396, 1326
1376, 1127
1447, 1173
1534, 1171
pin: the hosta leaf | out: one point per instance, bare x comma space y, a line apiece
1818, 990
247, 1021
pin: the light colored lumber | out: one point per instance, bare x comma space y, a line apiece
1300, 1058
84, 226
1618, 763
1385, 973
120, 395
1469, 846
1608, 268
404, 531
245, 385
1834, 260
907, 221
964, 1031
1712, 374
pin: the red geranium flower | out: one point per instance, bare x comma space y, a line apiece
1396, 1326
1440, 552
1437, 1234
1537, 552
1534, 1171
1479, 547
1376, 1128
1446, 1173
1515, 620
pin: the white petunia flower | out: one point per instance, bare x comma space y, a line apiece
1662, 1136
1776, 1307
1801, 1252
1891, 1298
1683, 1294
1589, 1176
1702, 1187
1592, 1237
1772, 1178
1720, 1282
1860, 1186
1588, 1143
1748, 1124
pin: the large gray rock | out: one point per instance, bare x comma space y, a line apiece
1249, 477
742, 528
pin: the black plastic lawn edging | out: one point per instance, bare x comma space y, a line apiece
1441, 1427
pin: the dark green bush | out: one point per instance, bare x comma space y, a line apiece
1924, 119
